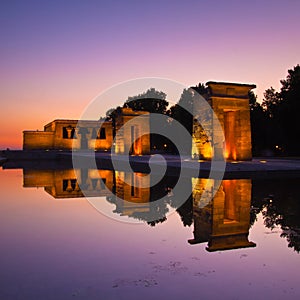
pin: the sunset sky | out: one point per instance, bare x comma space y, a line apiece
56, 56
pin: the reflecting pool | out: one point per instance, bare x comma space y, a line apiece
236, 240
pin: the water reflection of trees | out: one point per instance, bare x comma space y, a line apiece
278, 201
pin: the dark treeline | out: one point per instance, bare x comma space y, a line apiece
275, 124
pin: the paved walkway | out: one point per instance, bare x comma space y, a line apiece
258, 167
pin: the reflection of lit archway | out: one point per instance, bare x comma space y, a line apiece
224, 222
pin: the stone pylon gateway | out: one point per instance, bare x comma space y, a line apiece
230, 103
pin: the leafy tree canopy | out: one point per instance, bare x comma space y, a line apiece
152, 101
283, 107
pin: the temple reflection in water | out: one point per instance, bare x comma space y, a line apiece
65, 183
222, 222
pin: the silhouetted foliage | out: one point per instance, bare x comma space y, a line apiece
201, 89
258, 125
282, 110
290, 95
152, 101
186, 212
280, 207
181, 113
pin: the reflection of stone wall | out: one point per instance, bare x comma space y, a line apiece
230, 103
71, 183
129, 188
224, 221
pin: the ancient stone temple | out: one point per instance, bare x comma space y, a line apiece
230, 104
129, 132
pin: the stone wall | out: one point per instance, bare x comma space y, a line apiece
33, 140
132, 198
70, 134
71, 183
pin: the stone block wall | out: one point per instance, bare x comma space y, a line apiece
34, 140
71, 183
69, 134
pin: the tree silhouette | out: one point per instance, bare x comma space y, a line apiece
290, 106
258, 125
282, 110
152, 101
181, 113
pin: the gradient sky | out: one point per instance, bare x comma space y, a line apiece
56, 57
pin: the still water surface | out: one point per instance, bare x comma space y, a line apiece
55, 245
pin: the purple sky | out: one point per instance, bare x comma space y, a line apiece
56, 57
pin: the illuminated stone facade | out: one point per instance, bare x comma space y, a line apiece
71, 183
94, 135
132, 197
230, 104
133, 138
65, 134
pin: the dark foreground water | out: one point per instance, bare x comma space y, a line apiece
243, 244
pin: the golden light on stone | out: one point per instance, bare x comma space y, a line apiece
230, 104
223, 221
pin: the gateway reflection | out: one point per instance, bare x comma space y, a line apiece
223, 222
